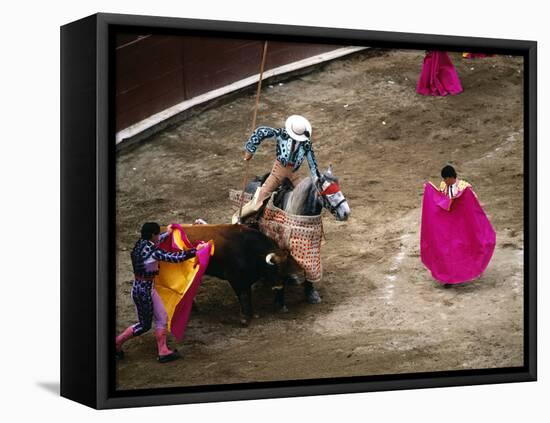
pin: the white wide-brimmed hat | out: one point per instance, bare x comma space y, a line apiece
296, 126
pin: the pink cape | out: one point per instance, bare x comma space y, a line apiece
180, 316
476, 55
438, 76
456, 238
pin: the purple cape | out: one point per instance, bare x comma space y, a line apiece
456, 238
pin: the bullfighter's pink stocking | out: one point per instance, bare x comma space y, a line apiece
159, 311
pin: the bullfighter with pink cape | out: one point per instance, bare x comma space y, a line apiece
166, 276
476, 55
456, 238
438, 76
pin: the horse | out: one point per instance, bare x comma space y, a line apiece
308, 198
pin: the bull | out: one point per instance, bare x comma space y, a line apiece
243, 256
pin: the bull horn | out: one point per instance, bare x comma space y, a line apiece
269, 259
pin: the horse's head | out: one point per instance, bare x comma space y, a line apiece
331, 195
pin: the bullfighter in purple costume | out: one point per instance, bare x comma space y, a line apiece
145, 257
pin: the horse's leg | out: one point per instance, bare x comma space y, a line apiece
312, 295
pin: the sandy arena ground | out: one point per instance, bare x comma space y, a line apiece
382, 313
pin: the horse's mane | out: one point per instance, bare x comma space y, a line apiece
298, 196
301, 199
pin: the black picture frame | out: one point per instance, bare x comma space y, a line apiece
87, 213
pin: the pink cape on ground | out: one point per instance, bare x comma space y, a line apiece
476, 55
438, 76
190, 280
456, 238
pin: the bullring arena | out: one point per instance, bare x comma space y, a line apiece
381, 311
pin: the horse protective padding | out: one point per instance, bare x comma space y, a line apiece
301, 235
177, 283
235, 197
456, 238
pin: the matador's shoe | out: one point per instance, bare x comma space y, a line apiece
165, 353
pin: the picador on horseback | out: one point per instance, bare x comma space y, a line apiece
299, 203
293, 145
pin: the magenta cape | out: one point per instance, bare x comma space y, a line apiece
456, 238
476, 55
177, 283
438, 76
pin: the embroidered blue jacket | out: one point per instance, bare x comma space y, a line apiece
146, 255
289, 151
